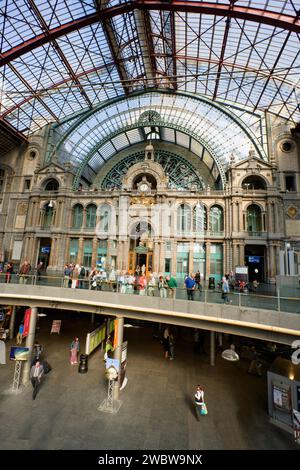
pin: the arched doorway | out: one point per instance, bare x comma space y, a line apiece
140, 258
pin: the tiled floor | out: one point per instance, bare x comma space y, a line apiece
156, 412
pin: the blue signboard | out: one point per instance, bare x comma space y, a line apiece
254, 259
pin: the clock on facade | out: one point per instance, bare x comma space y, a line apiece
144, 187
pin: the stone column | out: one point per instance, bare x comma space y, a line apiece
67, 250
156, 257
119, 255
29, 344
52, 252
174, 258
225, 264
125, 255
235, 257
94, 251
272, 264
242, 254
207, 261
270, 228
80, 250
162, 257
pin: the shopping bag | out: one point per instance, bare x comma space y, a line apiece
203, 409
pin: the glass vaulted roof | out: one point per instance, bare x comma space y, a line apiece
192, 122
62, 57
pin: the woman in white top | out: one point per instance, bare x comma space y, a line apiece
199, 400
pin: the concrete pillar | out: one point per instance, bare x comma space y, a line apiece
29, 344
212, 348
12, 322
118, 353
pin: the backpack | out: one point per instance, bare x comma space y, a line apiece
82, 272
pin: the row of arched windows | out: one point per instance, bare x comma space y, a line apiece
189, 219
91, 217
196, 219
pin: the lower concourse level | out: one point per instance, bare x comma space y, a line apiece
157, 403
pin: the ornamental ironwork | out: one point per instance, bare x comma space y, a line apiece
181, 173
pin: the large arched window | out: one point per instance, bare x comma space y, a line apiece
91, 212
199, 218
51, 185
254, 218
77, 218
48, 215
183, 218
104, 218
216, 222
253, 182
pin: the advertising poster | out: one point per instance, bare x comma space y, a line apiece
18, 353
95, 338
26, 322
56, 325
123, 380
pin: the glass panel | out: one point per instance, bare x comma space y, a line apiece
77, 216
87, 253
73, 250
91, 216
216, 219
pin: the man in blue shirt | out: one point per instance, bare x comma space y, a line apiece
190, 285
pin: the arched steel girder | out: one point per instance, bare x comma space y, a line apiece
107, 138
287, 22
87, 114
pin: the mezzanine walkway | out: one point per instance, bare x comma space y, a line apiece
250, 321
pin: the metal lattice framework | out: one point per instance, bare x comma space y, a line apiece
61, 57
89, 139
182, 175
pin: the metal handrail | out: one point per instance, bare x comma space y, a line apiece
34, 279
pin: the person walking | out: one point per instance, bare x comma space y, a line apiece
39, 270
9, 272
190, 285
172, 285
36, 373
225, 291
108, 347
162, 287
74, 350
37, 352
24, 272
20, 334
199, 402
166, 343
171, 346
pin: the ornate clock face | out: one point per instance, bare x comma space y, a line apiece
144, 187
